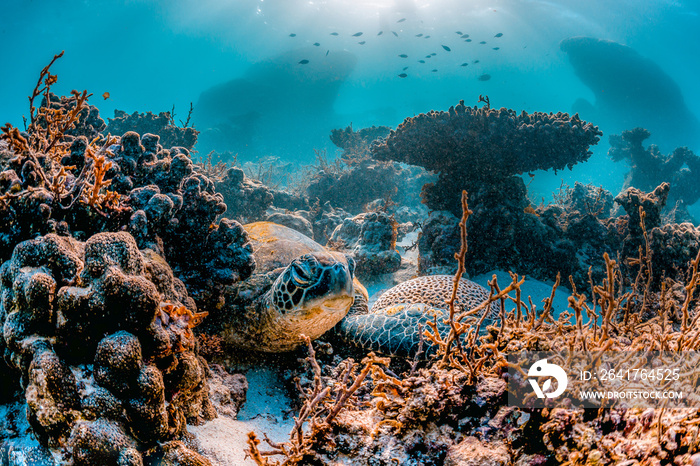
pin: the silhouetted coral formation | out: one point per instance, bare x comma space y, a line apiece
649, 167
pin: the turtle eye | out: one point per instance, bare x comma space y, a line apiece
300, 272
351, 264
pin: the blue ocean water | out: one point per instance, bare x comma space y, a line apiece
261, 86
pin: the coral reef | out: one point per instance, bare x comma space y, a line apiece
161, 124
456, 409
469, 147
370, 239
100, 333
125, 183
483, 150
367, 181
246, 199
356, 144
88, 123
649, 167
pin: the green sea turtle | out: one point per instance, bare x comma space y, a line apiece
300, 287
395, 323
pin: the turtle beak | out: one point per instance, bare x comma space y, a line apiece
338, 304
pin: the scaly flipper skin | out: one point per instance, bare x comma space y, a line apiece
396, 321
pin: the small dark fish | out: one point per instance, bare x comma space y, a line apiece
458, 32
334, 33
428, 56
496, 48
401, 20
357, 34
447, 48
327, 52
475, 61
362, 42
394, 33
482, 42
464, 64
403, 55
426, 37
316, 44
419, 35
380, 33
434, 71
433, 54
403, 75
484, 77
292, 35
404, 68
303, 62
500, 34
465, 36
421, 61
467, 40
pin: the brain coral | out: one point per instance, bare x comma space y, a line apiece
100, 335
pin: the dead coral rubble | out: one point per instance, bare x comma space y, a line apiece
101, 336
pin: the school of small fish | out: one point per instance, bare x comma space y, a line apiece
464, 36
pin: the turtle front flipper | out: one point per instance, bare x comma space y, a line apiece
397, 330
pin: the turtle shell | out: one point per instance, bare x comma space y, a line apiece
276, 246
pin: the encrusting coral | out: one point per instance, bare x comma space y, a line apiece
370, 239
161, 124
101, 335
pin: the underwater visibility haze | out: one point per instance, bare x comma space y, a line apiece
273, 77
287, 232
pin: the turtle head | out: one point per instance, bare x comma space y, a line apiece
315, 286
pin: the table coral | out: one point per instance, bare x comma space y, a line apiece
107, 365
469, 146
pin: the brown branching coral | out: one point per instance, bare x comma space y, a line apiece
323, 403
464, 390
47, 145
